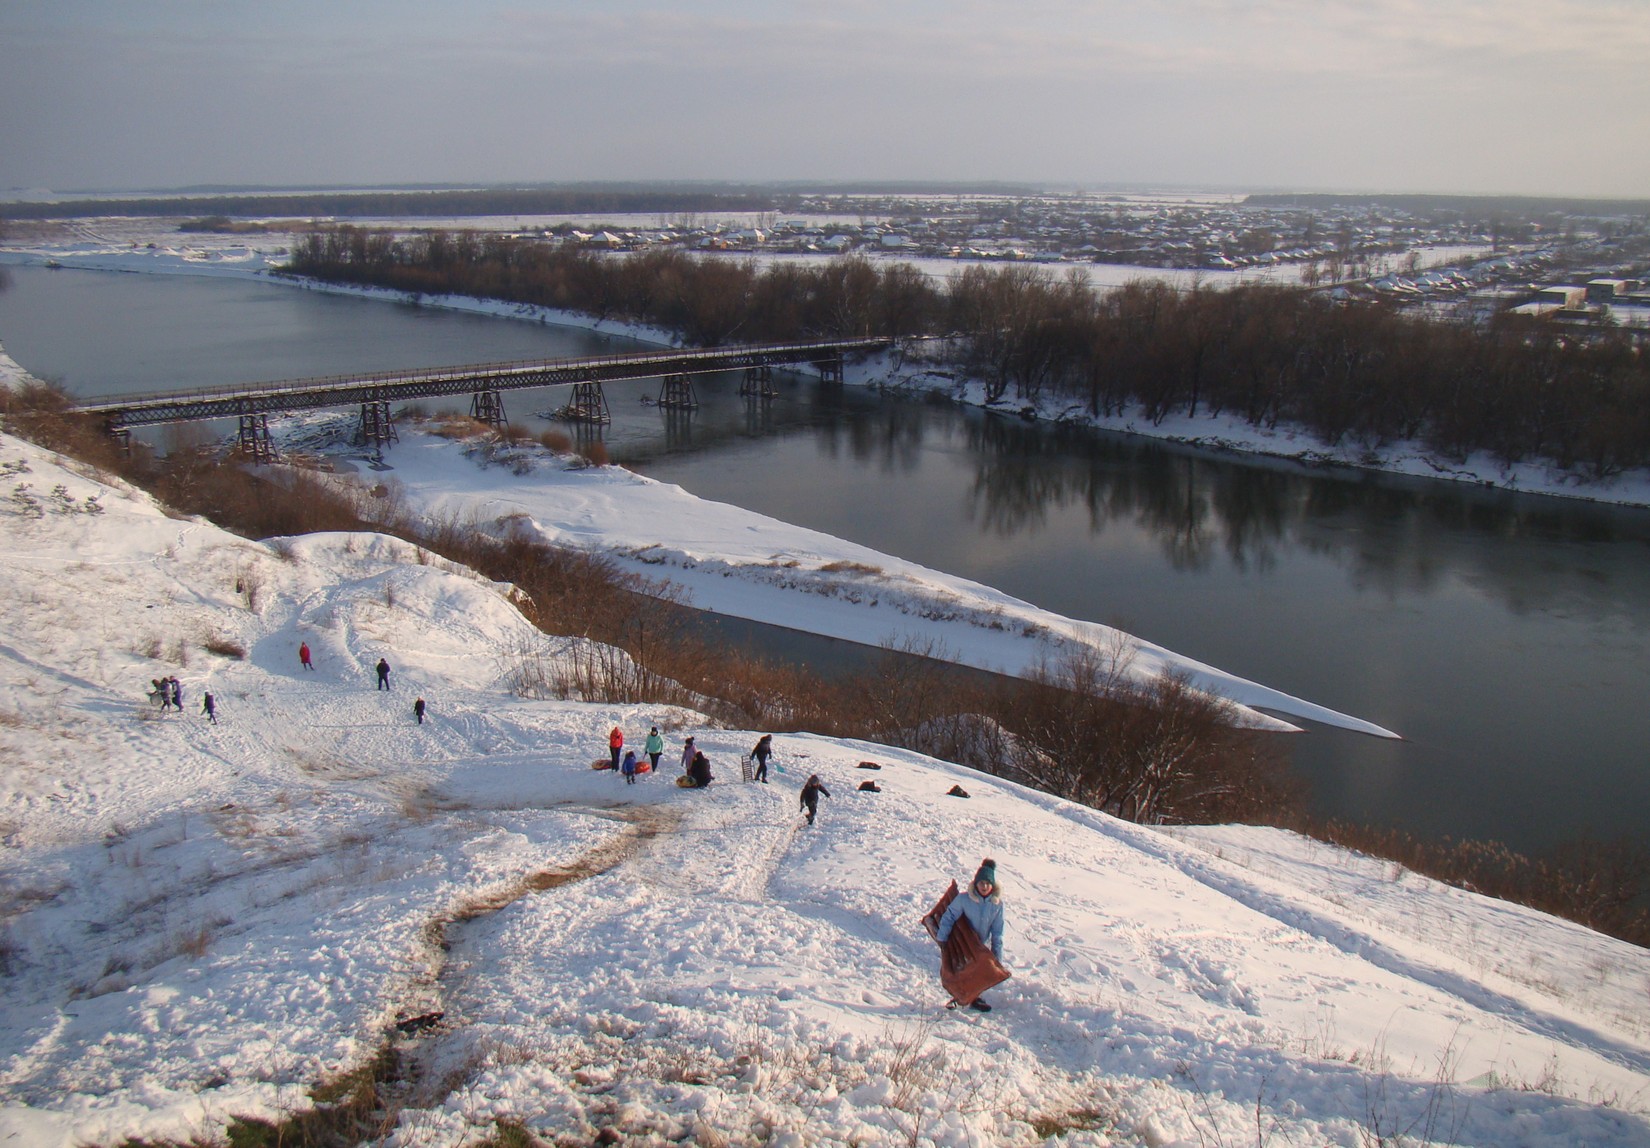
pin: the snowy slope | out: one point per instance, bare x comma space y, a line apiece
201, 921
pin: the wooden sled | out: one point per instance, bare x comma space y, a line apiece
967, 967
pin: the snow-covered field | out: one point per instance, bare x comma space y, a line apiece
199, 921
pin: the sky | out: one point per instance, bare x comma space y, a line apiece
1472, 96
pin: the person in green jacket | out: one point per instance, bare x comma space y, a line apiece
653, 747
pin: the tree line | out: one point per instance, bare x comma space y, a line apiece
1350, 372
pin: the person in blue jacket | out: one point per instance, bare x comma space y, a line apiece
982, 904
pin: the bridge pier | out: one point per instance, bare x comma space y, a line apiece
758, 382
377, 428
830, 370
254, 441
677, 393
487, 406
588, 405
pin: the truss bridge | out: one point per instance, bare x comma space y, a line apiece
484, 383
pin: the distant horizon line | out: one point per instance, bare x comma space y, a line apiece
836, 186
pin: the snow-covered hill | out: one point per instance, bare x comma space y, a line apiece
199, 921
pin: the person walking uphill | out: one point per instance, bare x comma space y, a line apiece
615, 743
654, 747
811, 793
760, 755
418, 710
383, 674
968, 970
209, 707
303, 656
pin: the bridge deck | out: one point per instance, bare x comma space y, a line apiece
123, 411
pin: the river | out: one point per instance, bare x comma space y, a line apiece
1506, 636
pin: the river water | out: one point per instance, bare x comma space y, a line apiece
1507, 637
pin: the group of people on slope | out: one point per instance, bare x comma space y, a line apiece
382, 672
168, 692
695, 765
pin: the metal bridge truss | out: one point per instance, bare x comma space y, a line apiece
488, 407
588, 405
758, 383
830, 368
485, 383
254, 441
312, 394
377, 427
676, 393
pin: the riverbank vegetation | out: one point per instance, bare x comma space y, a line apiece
1516, 387
1160, 753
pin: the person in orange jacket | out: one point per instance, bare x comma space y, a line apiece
615, 742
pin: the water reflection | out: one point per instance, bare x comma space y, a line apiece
1393, 536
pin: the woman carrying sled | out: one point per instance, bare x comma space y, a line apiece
982, 908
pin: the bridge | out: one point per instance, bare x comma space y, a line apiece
253, 403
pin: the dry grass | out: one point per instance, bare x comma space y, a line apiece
224, 647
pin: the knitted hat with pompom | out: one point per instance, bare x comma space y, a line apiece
987, 872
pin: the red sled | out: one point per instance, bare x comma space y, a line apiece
967, 967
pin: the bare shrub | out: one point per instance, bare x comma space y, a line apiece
846, 567
249, 582
224, 647
285, 549
459, 428
556, 440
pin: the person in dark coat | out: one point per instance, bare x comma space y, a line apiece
760, 755
983, 906
209, 707
177, 693
811, 793
418, 710
162, 693
383, 674
699, 771
303, 656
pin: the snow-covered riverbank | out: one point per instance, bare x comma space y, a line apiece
200, 921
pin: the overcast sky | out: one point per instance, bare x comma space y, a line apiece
1520, 96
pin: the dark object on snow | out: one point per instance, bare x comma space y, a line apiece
418, 1023
868, 765
956, 791
869, 787
967, 967
383, 669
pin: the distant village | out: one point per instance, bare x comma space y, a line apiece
1569, 266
